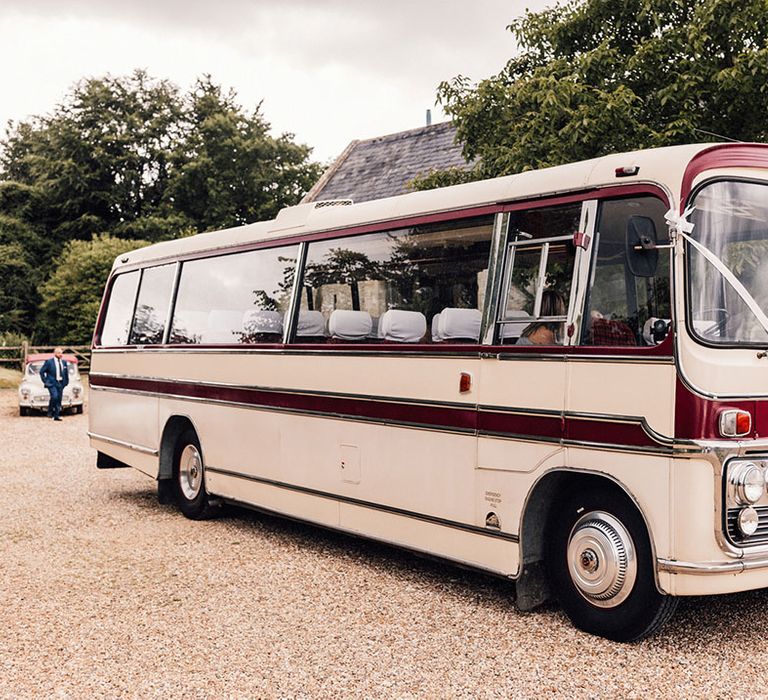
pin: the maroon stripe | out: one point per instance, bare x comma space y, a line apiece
454, 418
732, 155
548, 427
615, 433
537, 426
602, 192
697, 417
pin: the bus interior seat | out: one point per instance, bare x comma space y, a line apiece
350, 326
402, 326
511, 332
459, 325
263, 326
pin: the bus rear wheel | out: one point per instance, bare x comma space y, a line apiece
601, 567
189, 478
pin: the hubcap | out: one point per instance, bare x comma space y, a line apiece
601, 559
190, 472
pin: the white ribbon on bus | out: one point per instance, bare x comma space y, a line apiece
680, 224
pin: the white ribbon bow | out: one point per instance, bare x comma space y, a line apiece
679, 222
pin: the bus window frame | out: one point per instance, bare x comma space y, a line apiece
578, 288
489, 330
686, 281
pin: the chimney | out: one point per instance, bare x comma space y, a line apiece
429, 117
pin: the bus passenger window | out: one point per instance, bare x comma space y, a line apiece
539, 274
119, 313
419, 271
623, 308
151, 311
240, 298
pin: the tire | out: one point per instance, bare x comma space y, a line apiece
23, 411
189, 478
601, 566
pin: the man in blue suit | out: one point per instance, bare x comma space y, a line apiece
55, 376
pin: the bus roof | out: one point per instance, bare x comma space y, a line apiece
663, 165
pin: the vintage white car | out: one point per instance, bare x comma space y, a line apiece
33, 396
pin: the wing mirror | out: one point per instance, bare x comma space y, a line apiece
642, 246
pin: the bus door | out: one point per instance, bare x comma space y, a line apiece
523, 381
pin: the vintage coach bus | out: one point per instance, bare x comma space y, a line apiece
560, 376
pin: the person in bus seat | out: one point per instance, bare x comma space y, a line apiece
605, 331
545, 332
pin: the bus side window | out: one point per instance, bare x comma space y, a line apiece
149, 318
119, 311
240, 298
622, 307
539, 274
420, 270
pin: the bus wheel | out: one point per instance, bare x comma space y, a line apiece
602, 569
189, 478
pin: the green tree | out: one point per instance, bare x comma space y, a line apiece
599, 76
230, 171
99, 162
135, 158
18, 295
20, 247
72, 294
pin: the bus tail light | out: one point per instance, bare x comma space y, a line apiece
465, 383
735, 423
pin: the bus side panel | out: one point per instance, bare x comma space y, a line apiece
603, 394
496, 555
129, 419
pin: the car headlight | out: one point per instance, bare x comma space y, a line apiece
748, 482
25, 392
76, 391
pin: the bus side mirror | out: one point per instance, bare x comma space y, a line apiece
642, 246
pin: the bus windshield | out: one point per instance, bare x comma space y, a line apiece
730, 221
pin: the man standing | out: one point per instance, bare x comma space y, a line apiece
55, 376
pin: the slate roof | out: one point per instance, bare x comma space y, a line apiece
382, 166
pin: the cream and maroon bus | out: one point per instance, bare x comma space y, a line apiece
559, 377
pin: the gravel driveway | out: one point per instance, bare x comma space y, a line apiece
106, 593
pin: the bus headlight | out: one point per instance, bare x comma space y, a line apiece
748, 521
748, 481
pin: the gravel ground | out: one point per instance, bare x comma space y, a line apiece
106, 593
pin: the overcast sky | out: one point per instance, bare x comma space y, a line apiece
329, 71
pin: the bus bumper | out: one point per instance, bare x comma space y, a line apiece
714, 577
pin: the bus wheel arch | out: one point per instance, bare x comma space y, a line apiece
586, 542
537, 518
181, 473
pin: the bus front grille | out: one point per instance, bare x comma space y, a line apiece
735, 535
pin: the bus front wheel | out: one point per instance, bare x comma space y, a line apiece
189, 478
601, 566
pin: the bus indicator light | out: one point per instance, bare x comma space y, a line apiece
465, 383
627, 171
735, 423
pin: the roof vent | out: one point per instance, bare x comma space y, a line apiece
333, 203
